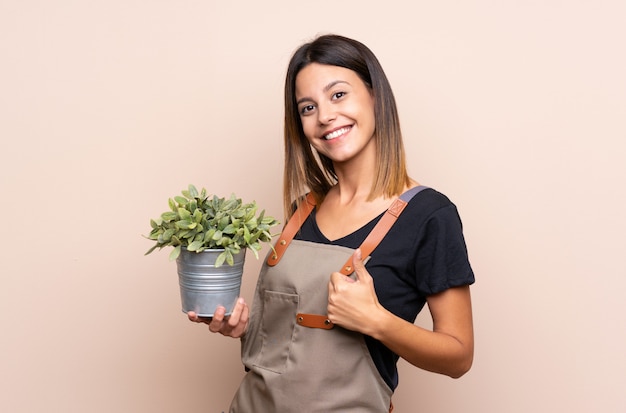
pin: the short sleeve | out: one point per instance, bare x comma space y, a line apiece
441, 258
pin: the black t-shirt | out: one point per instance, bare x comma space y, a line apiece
423, 253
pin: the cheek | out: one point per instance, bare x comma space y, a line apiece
371, 117
308, 127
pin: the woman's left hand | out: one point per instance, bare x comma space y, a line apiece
352, 304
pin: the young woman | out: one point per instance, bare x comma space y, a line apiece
360, 256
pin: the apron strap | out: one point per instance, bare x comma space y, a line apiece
314, 321
383, 226
294, 224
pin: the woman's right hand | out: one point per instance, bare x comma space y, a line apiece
234, 325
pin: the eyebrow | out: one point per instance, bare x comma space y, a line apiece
326, 89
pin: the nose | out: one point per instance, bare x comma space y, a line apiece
326, 114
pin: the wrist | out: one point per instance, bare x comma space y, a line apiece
379, 323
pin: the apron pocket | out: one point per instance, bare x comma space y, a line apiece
277, 327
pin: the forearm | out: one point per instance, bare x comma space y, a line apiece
434, 351
447, 349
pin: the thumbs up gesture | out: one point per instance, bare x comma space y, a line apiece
352, 303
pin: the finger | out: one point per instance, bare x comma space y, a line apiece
357, 264
331, 284
197, 319
191, 315
237, 312
240, 329
245, 314
218, 318
336, 281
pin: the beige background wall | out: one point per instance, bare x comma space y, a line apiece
515, 109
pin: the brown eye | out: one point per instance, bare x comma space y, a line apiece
306, 109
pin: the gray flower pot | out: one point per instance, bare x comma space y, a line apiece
203, 287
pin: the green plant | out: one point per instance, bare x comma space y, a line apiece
198, 221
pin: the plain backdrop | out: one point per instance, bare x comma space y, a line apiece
514, 109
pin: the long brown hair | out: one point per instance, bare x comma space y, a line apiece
305, 169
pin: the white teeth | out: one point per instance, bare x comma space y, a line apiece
336, 133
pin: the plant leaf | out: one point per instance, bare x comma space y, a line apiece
229, 257
246, 234
223, 223
209, 235
185, 224
175, 253
197, 216
193, 191
220, 259
181, 200
169, 216
184, 214
194, 246
167, 234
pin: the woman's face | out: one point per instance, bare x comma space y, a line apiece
337, 112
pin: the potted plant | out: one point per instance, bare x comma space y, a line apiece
207, 232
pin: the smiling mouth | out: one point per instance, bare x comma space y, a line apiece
337, 133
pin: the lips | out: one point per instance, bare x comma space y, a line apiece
337, 133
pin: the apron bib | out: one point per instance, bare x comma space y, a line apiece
300, 369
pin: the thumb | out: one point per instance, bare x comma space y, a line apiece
359, 267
